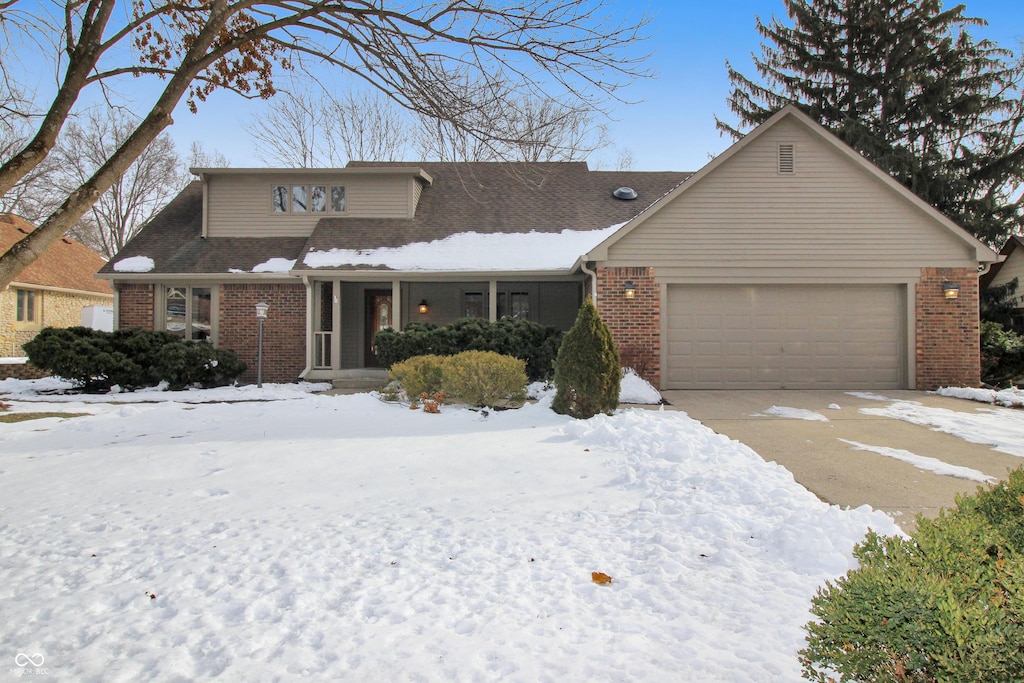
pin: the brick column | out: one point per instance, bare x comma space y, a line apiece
635, 323
135, 302
947, 330
284, 331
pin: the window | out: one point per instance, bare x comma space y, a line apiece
474, 305
307, 198
514, 305
27, 306
188, 312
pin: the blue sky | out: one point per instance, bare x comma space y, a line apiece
671, 126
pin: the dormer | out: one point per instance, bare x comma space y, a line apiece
288, 202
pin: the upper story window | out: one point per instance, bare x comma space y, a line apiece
27, 306
307, 198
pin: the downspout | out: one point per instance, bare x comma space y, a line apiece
593, 280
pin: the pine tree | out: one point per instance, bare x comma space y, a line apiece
905, 84
588, 373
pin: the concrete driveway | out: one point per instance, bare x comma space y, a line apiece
833, 470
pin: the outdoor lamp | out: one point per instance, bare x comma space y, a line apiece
951, 290
423, 305
629, 289
261, 315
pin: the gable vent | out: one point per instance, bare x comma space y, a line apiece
787, 157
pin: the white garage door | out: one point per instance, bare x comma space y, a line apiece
784, 337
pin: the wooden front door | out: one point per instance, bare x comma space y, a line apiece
378, 317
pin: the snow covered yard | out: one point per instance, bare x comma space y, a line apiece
342, 538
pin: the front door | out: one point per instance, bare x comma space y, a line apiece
378, 317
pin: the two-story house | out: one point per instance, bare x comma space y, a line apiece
788, 261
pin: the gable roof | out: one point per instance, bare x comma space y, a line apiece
488, 198
1015, 242
982, 251
66, 264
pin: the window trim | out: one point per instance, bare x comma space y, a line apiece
308, 192
161, 310
35, 298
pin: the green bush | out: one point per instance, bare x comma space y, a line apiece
531, 342
944, 605
419, 374
1002, 355
588, 373
97, 361
485, 378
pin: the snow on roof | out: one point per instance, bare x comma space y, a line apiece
135, 264
472, 252
274, 265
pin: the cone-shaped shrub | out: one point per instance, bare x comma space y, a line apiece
587, 370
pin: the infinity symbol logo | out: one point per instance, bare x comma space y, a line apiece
22, 659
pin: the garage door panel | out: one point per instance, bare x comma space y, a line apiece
788, 336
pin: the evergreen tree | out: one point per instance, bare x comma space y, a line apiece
588, 373
905, 84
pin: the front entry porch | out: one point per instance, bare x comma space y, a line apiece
344, 315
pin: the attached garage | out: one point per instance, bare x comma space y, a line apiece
785, 337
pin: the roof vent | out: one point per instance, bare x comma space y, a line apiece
626, 193
787, 158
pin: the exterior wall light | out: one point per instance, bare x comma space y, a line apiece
261, 316
951, 290
423, 306
629, 289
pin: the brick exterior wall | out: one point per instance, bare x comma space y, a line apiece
948, 342
136, 303
21, 371
284, 331
635, 323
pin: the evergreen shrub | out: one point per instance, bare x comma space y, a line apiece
588, 373
947, 604
96, 360
531, 342
1002, 355
485, 378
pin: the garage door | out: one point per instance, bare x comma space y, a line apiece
784, 337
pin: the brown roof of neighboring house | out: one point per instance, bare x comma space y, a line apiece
1011, 245
484, 197
66, 264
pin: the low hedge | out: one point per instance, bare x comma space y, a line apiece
945, 605
535, 344
477, 378
96, 360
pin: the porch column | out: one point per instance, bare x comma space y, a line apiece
336, 326
396, 304
492, 301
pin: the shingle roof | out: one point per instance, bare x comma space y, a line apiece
66, 264
173, 239
464, 197
489, 198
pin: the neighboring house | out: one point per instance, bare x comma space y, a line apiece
787, 262
1010, 269
51, 292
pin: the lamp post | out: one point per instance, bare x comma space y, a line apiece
261, 315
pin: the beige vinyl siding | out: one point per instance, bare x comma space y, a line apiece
827, 218
1012, 268
240, 205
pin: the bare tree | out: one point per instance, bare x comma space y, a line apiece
512, 127
156, 175
412, 55
307, 129
198, 157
